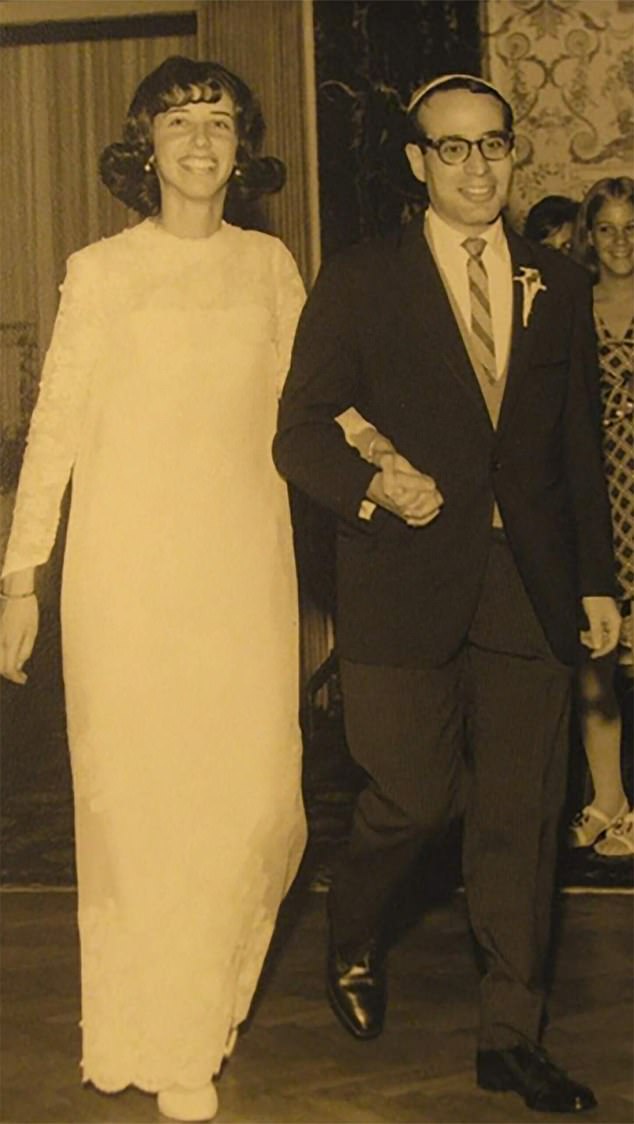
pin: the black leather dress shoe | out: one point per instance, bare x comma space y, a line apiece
356, 990
527, 1070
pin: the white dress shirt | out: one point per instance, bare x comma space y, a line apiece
451, 258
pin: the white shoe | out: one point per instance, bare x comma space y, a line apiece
179, 1103
591, 823
618, 839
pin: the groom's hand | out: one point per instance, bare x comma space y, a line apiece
604, 625
401, 489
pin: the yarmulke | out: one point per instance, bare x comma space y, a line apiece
439, 81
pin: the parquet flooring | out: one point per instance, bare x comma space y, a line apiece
294, 1063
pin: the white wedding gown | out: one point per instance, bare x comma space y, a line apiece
179, 623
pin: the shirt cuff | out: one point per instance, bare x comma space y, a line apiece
366, 509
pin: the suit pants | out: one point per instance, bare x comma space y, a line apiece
484, 735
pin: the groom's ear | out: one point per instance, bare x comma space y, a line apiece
416, 160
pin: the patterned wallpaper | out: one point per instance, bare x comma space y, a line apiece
567, 67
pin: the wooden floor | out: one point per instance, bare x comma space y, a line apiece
295, 1063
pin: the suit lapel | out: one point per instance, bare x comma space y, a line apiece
522, 338
429, 326
427, 320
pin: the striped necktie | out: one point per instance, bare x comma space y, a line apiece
481, 323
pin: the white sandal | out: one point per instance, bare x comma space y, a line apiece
618, 839
180, 1103
591, 823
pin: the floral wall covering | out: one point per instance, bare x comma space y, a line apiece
567, 67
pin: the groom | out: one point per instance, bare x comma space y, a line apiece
464, 594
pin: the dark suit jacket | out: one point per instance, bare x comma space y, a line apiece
378, 333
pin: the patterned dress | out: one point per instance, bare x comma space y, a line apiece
179, 620
616, 359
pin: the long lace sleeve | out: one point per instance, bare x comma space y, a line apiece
56, 423
290, 298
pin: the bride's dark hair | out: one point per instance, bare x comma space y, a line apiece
125, 166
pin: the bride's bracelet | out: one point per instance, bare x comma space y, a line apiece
15, 596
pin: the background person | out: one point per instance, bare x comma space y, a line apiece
551, 220
604, 242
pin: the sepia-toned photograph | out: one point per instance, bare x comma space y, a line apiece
316, 561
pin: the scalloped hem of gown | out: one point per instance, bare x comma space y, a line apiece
111, 1084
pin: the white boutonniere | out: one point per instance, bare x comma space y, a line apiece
531, 282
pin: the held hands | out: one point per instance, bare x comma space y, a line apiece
401, 488
604, 621
18, 630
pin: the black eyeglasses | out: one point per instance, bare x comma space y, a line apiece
456, 150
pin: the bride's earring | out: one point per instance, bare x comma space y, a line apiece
149, 164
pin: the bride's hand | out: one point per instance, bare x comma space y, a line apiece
18, 631
415, 494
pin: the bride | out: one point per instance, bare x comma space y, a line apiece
179, 612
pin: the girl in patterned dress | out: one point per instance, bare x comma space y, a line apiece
604, 241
